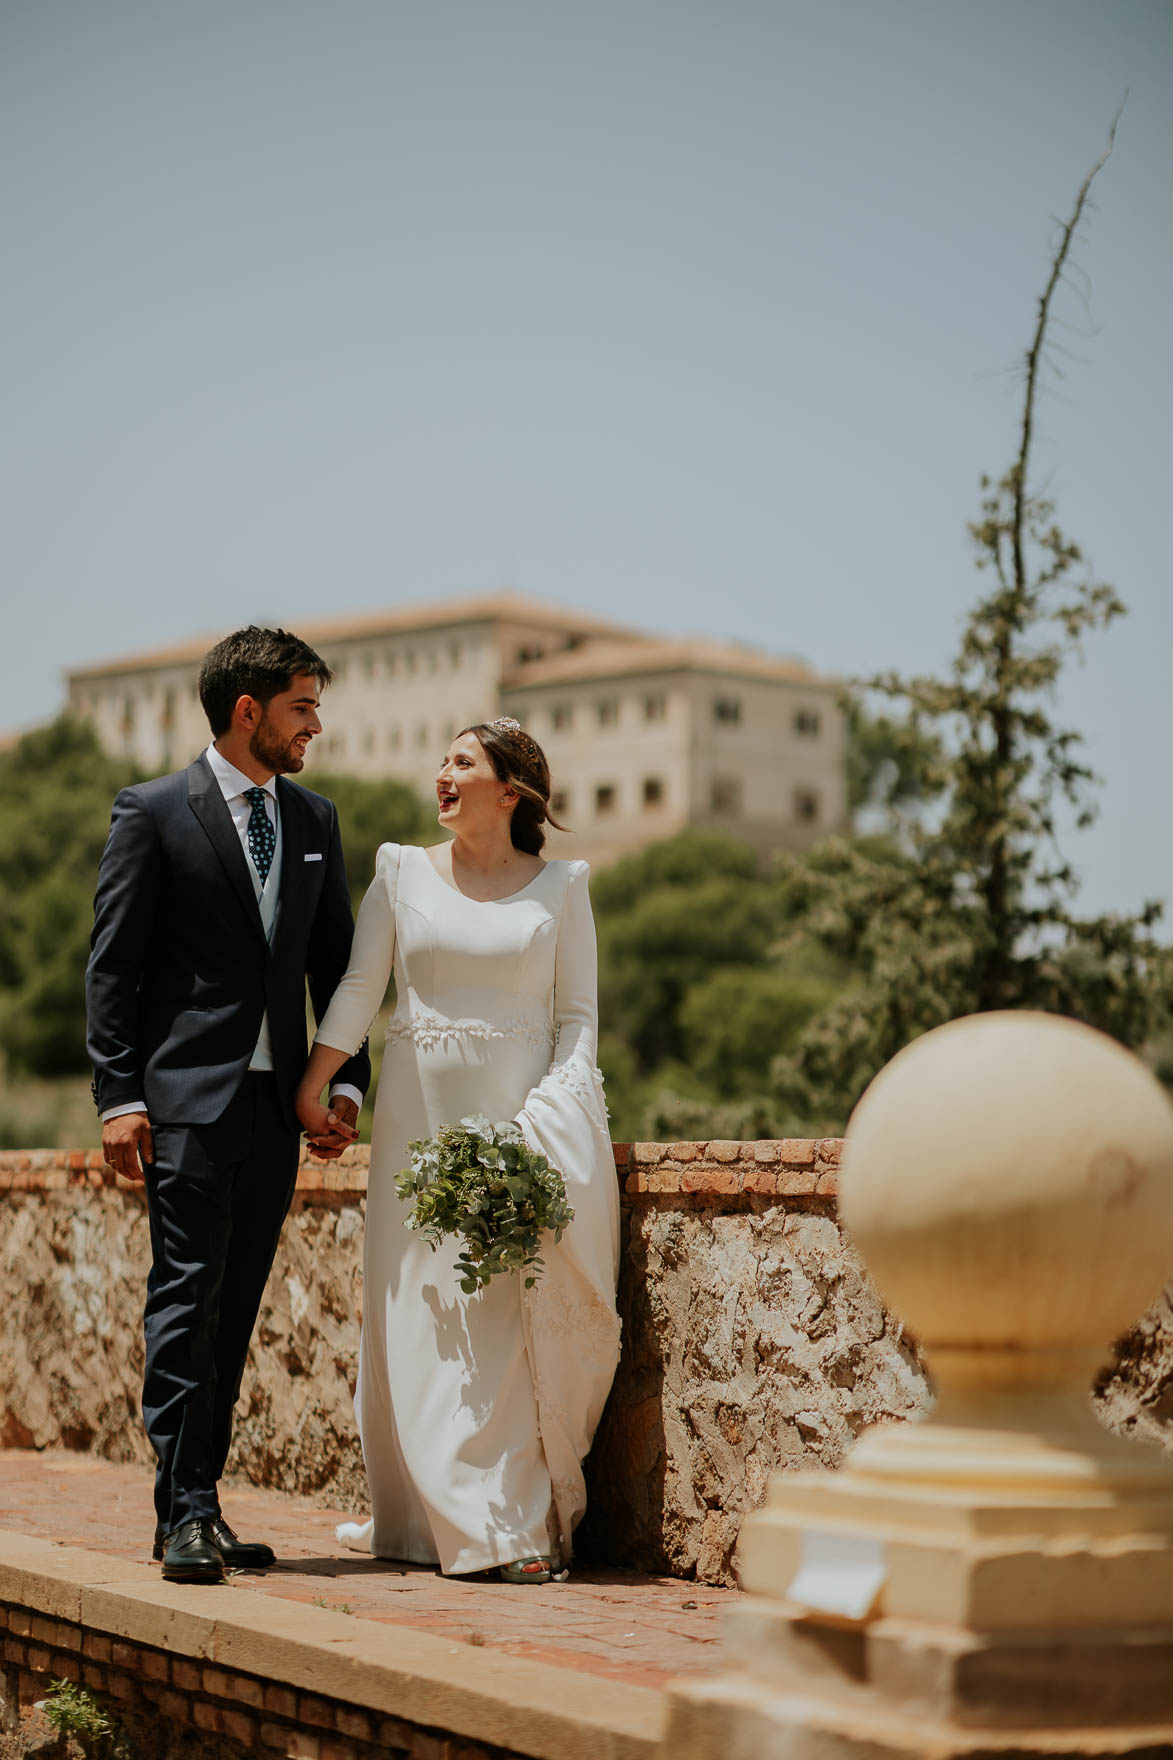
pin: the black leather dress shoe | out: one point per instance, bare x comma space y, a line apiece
239, 1555
190, 1555
160, 1542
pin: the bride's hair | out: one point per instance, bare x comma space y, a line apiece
521, 764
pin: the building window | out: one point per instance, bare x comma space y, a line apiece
409, 661
726, 794
655, 708
562, 717
559, 803
393, 738
727, 710
605, 798
526, 654
368, 665
368, 740
421, 734
806, 723
454, 655
653, 791
449, 732
806, 805
390, 662
607, 710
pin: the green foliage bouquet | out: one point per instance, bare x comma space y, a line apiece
483, 1182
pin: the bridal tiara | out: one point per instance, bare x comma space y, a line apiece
516, 732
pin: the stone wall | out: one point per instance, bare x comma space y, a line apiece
752, 1339
74, 1253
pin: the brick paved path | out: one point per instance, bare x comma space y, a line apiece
642, 1630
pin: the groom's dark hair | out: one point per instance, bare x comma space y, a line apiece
254, 662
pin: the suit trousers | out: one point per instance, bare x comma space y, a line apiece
217, 1196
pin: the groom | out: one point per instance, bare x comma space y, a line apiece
221, 891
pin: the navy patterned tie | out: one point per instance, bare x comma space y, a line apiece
262, 839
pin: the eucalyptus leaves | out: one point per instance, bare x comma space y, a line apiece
483, 1182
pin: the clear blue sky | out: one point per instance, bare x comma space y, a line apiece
698, 315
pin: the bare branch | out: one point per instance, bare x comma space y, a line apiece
999, 878
1035, 351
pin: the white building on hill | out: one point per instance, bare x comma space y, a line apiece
644, 735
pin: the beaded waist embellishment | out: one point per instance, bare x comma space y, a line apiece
432, 1030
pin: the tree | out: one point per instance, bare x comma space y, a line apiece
894, 764
56, 786
669, 917
971, 908
735, 1021
371, 813
694, 1003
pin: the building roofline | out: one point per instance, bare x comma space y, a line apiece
602, 661
503, 608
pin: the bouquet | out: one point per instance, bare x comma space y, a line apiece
483, 1182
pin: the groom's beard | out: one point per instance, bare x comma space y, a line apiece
280, 756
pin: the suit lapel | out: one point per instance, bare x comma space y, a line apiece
293, 849
211, 809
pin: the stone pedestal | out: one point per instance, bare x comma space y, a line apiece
998, 1578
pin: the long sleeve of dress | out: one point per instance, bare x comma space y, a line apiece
359, 995
569, 1317
576, 988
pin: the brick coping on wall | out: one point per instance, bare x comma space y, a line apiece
792, 1167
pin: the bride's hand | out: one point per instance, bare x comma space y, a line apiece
328, 1130
316, 1120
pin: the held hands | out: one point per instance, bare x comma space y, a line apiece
328, 1130
128, 1146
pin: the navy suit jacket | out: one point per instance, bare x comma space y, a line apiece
180, 972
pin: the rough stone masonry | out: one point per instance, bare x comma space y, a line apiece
753, 1340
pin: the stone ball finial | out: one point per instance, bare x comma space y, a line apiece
1009, 1181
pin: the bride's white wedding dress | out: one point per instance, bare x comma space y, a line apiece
476, 1412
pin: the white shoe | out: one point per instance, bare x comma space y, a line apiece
356, 1536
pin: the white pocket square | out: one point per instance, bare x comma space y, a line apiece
316, 858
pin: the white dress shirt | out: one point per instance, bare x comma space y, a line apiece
233, 783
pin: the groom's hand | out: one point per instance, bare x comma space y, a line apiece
342, 1118
128, 1146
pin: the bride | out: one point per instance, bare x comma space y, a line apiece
476, 1411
